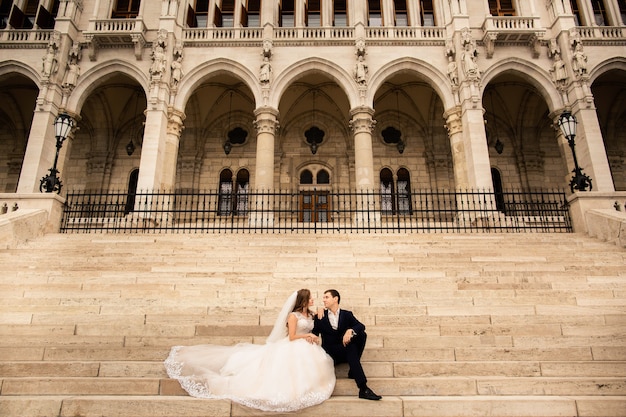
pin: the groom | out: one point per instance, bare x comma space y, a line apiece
343, 338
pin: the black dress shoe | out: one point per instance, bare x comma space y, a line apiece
368, 394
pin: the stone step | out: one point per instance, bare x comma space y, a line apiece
375, 369
458, 325
392, 386
349, 406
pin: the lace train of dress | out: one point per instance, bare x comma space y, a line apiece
281, 376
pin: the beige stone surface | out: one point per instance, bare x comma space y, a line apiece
446, 339
50, 369
601, 407
80, 386
30, 406
489, 406
146, 406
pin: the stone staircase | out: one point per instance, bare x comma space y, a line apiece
458, 325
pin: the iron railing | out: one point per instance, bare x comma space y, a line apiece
316, 211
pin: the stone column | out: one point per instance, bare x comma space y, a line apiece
40, 151
152, 166
174, 130
362, 124
470, 153
455, 133
590, 149
266, 124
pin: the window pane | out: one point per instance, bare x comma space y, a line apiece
376, 20
228, 20
314, 20
341, 20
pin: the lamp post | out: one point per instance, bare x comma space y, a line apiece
567, 124
62, 126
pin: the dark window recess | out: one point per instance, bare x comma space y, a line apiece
427, 13
306, 177
125, 9
287, 17
5, 11
501, 8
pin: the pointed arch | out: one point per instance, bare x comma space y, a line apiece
423, 70
14, 67
96, 76
209, 69
531, 73
309, 66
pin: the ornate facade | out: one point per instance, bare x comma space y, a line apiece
295, 94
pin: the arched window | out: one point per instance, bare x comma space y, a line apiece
404, 191
497, 188
323, 177
241, 192
225, 202
132, 191
386, 191
622, 10
306, 177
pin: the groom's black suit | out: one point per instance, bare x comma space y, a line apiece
332, 342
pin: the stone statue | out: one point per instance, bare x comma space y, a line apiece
266, 71
453, 73
360, 71
73, 69
559, 73
579, 60
49, 64
470, 67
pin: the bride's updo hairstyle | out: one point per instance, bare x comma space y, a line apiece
302, 300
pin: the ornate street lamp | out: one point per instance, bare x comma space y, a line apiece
62, 126
567, 124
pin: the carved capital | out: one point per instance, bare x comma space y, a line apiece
266, 120
362, 121
454, 122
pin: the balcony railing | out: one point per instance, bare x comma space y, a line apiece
26, 36
602, 32
221, 34
317, 211
406, 33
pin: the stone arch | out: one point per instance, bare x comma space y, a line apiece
95, 77
535, 76
429, 73
200, 73
618, 63
314, 65
15, 67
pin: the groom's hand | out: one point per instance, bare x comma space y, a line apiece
347, 337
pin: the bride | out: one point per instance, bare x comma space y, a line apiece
289, 372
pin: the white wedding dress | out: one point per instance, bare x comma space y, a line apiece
281, 375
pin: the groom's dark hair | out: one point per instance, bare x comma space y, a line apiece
334, 293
